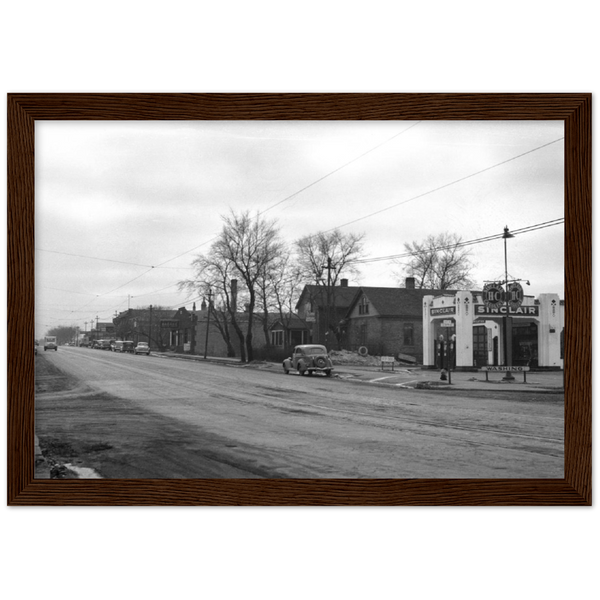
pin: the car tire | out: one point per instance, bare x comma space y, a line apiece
328, 372
301, 369
310, 373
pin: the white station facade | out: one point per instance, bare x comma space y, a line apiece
536, 331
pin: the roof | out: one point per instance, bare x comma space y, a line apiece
342, 295
395, 302
290, 322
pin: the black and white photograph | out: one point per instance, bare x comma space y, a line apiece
299, 299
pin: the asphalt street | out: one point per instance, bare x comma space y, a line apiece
400, 377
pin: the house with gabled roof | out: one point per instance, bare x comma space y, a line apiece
387, 321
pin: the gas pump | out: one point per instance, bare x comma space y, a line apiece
441, 351
445, 352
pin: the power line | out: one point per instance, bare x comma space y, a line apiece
151, 267
304, 188
161, 265
339, 168
481, 240
122, 262
441, 187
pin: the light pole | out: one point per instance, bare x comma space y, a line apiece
507, 319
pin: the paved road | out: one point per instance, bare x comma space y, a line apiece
139, 416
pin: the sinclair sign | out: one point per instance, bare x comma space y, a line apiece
496, 300
519, 311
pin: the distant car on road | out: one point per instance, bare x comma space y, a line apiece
50, 343
309, 358
123, 346
142, 348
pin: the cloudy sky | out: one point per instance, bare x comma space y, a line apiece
123, 208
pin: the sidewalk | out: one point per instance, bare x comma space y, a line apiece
415, 377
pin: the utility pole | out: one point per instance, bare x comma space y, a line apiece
329, 266
207, 322
150, 334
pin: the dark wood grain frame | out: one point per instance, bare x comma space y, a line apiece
574, 109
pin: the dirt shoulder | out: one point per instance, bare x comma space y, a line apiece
86, 434
50, 460
49, 378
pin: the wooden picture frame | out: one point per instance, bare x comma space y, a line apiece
574, 109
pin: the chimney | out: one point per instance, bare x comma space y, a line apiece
234, 295
410, 283
343, 283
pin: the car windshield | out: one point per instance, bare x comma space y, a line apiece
142, 344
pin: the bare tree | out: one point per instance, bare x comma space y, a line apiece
333, 252
278, 291
439, 262
212, 279
246, 249
323, 258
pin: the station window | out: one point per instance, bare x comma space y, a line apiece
409, 334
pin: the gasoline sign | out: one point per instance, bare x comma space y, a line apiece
446, 323
515, 295
493, 294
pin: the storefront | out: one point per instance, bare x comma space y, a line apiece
469, 333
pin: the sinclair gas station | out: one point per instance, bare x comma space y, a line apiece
498, 326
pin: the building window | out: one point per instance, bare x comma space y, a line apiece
409, 338
277, 338
185, 336
363, 307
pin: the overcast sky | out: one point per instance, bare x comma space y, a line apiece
115, 199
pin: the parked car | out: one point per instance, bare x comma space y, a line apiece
309, 358
142, 348
123, 346
104, 344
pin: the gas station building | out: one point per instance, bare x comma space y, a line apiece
535, 328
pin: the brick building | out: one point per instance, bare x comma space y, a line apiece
386, 321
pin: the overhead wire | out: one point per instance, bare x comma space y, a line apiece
161, 265
454, 182
461, 244
441, 187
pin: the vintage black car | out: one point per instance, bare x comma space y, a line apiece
123, 346
309, 358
